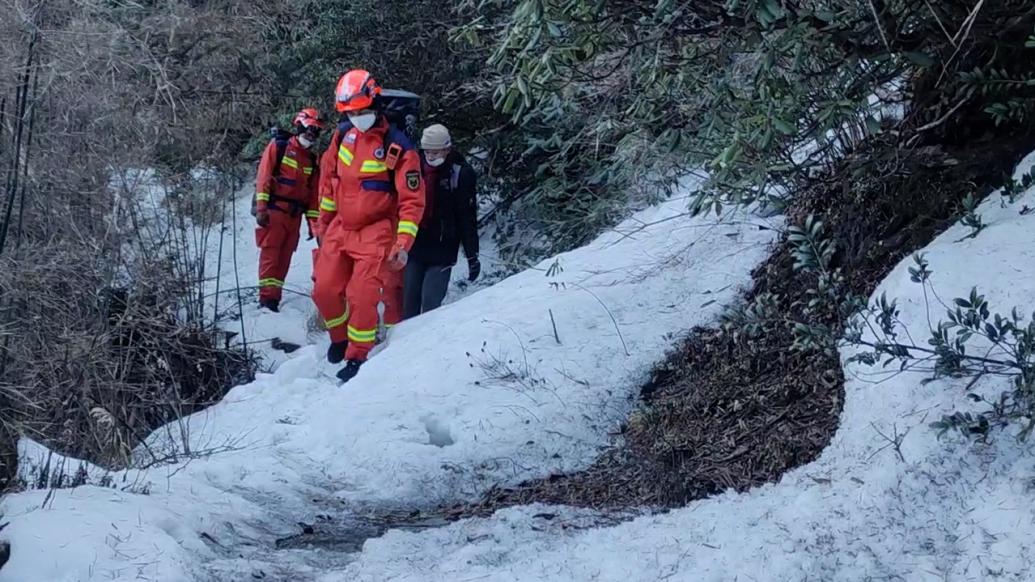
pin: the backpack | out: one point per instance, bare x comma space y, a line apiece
280, 137
402, 109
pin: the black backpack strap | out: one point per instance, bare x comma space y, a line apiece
281, 148
281, 145
396, 136
396, 143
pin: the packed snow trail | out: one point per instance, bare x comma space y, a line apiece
519, 380
949, 509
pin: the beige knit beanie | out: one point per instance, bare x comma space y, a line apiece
435, 137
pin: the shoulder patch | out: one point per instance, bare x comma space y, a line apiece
379, 153
413, 180
350, 137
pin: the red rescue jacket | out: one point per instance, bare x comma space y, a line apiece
358, 188
295, 187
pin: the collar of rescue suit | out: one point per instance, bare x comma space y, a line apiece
293, 142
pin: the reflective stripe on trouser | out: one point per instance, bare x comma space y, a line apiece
277, 242
349, 273
368, 336
339, 321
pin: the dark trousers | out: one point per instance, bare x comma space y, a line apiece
424, 287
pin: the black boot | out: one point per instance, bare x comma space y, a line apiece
336, 353
349, 371
271, 304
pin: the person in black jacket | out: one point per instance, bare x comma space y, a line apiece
450, 220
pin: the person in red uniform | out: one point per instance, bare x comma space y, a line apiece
371, 200
285, 190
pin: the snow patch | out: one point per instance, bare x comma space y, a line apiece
946, 509
438, 431
520, 380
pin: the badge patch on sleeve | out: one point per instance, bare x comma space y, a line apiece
413, 179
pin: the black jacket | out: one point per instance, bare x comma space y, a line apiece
453, 218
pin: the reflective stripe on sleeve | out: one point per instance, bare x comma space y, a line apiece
408, 227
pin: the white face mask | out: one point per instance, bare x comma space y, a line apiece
302, 139
435, 162
363, 121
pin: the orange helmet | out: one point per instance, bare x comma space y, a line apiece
308, 118
356, 91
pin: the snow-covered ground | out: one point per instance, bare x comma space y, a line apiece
948, 509
425, 422
521, 379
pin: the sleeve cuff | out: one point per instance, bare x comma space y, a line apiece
404, 241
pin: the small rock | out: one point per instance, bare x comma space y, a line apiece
286, 347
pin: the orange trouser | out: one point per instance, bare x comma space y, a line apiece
392, 292
349, 282
392, 295
277, 241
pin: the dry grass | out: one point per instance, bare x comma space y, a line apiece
98, 367
103, 334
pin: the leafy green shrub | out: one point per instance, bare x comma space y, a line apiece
971, 342
765, 94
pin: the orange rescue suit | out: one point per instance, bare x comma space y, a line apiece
286, 197
371, 201
392, 295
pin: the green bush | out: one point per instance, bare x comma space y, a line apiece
763, 93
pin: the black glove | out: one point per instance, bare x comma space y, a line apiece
262, 218
474, 268
312, 232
